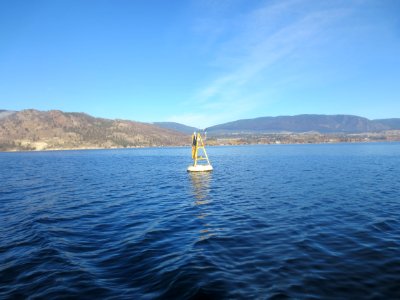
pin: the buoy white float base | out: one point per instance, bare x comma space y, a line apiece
200, 168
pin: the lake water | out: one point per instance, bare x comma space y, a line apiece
271, 222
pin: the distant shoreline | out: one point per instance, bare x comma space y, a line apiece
94, 148
188, 146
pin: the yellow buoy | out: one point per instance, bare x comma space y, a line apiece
198, 144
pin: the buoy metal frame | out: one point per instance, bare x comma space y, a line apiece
198, 144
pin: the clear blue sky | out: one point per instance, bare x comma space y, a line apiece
201, 62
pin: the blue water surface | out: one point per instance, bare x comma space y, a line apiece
270, 222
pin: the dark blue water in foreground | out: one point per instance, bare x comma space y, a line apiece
282, 221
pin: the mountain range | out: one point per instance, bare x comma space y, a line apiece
176, 126
306, 123
46, 130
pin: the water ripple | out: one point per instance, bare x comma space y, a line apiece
304, 221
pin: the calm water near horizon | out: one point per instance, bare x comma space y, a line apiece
271, 222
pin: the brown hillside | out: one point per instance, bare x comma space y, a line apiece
42, 130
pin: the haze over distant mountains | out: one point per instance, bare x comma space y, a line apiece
40, 130
176, 126
5, 113
307, 123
